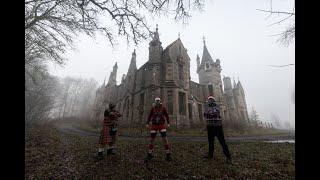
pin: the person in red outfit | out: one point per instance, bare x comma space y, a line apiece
158, 116
109, 131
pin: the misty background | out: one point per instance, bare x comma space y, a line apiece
235, 32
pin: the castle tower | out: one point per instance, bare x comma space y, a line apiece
240, 103
130, 77
132, 66
152, 69
198, 62
232, 114
155, 48
110, 92
104, 82
209, 73
113, 75
123, 78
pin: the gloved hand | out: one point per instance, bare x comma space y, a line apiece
168, 125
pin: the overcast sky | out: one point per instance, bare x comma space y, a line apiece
235, 32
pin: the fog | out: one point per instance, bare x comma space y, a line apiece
234, 31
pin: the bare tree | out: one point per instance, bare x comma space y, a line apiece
288, 35
254, 117
287, 125
282, 65
39, 96
75, 98
52, 25
276, 120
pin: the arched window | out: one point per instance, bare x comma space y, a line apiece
207, 65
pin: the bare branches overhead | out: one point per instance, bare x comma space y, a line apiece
287, 36
52, 25
282, 65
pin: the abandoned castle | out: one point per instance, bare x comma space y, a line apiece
166, 74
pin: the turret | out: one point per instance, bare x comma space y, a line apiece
132, 66
198, 62
123, 78
208, 70
155, 48
113, 75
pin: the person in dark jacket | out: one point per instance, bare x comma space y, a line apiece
158, 116
109, 131
214, 128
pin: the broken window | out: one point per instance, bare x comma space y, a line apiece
180, 72
182, 103
190, 110
170, 102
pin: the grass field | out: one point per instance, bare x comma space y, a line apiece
52, 155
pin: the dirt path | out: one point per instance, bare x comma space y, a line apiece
73, 130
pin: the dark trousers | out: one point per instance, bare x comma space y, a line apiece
217, 131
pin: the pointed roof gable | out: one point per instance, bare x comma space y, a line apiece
173, 43
239, 85
132, 66
206, 57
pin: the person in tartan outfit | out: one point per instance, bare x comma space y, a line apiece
109, 131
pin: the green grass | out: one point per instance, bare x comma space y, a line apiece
53, 155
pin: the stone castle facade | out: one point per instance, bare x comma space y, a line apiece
166, 74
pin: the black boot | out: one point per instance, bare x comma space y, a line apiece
209, 156
149, 157
100, 156
168, 157
110, 151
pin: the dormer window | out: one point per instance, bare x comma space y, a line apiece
207, 66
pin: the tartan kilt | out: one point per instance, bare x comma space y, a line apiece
105, 137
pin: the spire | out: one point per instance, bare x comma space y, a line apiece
115, 66
123, 78
234, 83
104, 82
206, 57
198, 62
156, 34
113, 75
110, 78
239, 83
132, 66
179, 35
155, 48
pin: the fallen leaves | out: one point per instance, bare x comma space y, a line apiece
50, 154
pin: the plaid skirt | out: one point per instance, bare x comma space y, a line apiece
105, 137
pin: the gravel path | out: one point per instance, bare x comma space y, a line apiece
291, 137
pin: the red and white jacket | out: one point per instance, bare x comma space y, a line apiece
158, 115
